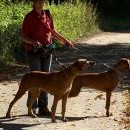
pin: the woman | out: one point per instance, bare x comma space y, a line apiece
37, 31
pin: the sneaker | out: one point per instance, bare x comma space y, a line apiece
44, 112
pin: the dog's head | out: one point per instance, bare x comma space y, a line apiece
82, 63
91, 64
123, 64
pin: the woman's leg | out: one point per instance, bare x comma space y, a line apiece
34, 63
43, 98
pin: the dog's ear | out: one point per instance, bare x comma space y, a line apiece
128, 61
91, 64
80, 64
124, 64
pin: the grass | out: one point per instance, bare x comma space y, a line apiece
72, 21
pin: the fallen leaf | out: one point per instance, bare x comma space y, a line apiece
113, 102
99, 97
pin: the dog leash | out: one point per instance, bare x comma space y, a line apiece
76, 50
56, 59
97, 59
100, 62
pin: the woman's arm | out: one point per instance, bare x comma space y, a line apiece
26, 30
58, 36
61, 38
28, 40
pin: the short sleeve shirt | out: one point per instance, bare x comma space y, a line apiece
37, 27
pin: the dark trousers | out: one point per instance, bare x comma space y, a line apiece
41, 64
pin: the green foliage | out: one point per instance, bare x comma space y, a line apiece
73, 21
11, 19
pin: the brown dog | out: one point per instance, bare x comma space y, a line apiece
57, 83
105, 81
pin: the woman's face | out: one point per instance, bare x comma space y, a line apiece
38, 5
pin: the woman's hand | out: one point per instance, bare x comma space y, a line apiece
33, 42
68, 43
37, 44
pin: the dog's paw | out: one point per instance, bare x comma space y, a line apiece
109, 114
64, 119
34, 116
8, 115
53, 120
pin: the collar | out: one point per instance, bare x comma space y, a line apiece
37, 14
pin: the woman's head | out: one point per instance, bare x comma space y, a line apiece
38, 5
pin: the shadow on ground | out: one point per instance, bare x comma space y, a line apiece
102, 54
6, 124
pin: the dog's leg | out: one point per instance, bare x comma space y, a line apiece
108, 98
34, 94
64, 101
19, 94
53, 108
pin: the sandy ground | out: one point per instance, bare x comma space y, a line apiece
85, 112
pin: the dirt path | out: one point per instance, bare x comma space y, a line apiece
85, 112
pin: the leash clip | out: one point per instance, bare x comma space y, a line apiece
75, 48
63, 66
